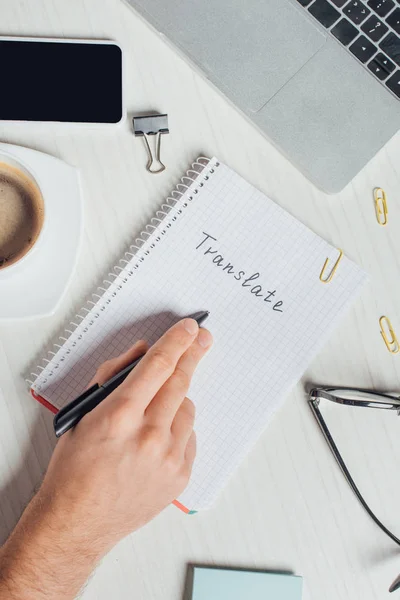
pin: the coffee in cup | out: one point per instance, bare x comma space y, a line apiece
21, 212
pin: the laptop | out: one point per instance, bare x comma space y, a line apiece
320, 78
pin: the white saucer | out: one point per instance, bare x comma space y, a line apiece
35, 286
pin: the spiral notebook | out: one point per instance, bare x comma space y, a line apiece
216, 244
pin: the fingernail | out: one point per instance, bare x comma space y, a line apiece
204, 338
141, 343
191, 326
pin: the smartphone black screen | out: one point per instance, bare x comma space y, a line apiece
60, 81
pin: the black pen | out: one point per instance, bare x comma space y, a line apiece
395, 585
72, 413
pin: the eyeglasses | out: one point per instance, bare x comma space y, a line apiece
362, 399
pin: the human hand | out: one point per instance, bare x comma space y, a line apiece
132, 455
118, 468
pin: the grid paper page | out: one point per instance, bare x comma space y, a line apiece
234, 252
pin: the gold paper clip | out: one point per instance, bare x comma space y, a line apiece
381, 206
333, 270
391, 344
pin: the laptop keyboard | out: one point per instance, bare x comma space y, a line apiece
369, 29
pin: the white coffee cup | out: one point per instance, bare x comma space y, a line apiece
22, 213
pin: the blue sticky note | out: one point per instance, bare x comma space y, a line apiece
227, 584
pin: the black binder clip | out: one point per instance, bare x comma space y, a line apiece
152, 125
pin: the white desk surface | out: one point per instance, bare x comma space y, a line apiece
288, 507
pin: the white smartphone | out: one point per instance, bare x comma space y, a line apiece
75, 81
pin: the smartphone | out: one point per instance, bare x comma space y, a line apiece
75, 81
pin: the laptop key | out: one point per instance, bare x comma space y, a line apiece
381, 7
339, 3
374, 28
391, 46
324, 12
394, 83
378, 70
304, 2
384, 62
345, 32
394, 20
363, 49
356, 11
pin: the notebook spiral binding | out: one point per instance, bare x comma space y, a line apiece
134, 250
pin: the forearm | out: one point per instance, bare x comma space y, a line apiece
43, 559
110, 475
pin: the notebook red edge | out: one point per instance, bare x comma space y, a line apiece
54, 410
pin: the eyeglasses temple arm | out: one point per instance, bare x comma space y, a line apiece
365, 399
335, 451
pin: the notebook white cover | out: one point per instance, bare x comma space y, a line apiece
223, 247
